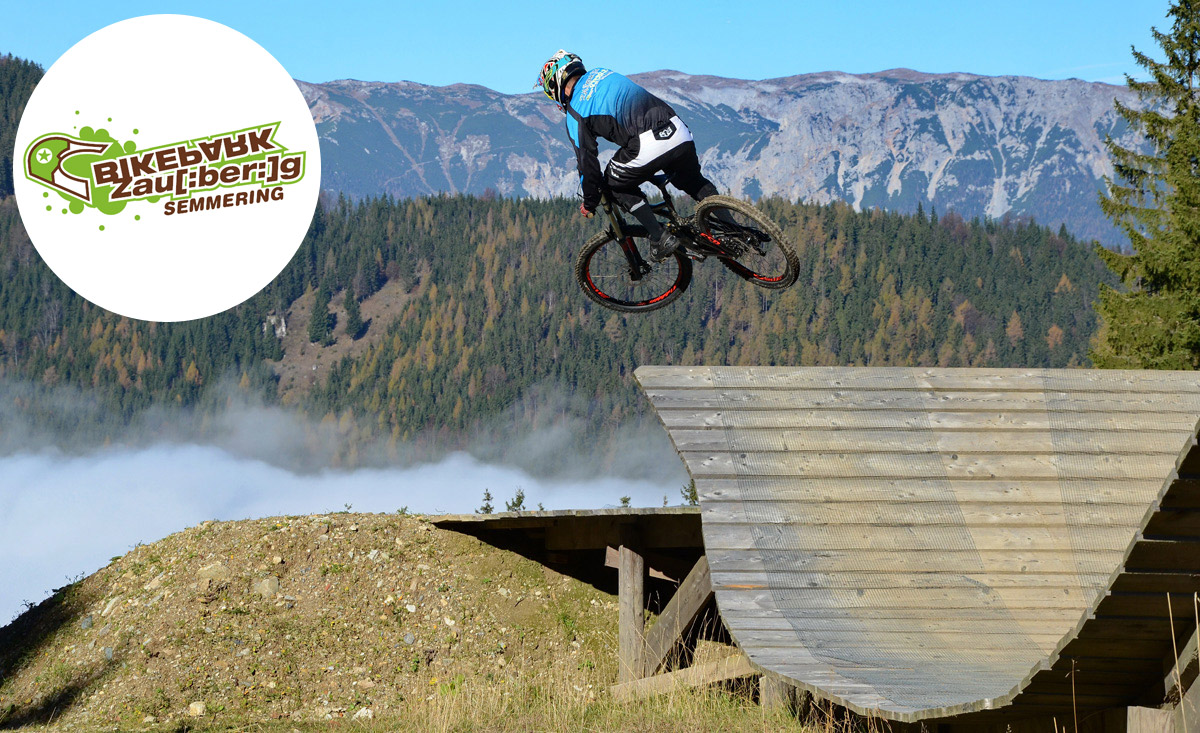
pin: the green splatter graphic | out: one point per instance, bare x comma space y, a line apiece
137, 217
49, 207
101, 227
45, 164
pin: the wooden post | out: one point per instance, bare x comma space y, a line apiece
1138, 720
704, 674
631, 617
774, 693
667, 634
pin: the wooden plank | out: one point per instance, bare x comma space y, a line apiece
1174, 524
916, 642
1115, 648
933, 599
698, 676
546, 517
1096, 684
631, 615
925, 441
1157, 582
1138, 492
1151, 556
1152, 605
964, 626
946, 512
801, 539
1114, 682
1190, 466
690, 598
962, 401
941, 417
1034, 560
869, 378
1182, 494
854, 465
668, 532
784, 579
735, 616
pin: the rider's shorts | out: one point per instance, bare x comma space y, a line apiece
636, 162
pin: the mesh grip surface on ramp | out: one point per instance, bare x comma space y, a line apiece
921, 543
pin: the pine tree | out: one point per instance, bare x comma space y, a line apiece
320, 320
354, 322
690, 497
1156, 202
518, 501
486, 507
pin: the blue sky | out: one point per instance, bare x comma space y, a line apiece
502, 45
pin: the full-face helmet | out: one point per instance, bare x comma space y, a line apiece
556, 73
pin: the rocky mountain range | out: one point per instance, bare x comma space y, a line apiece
978, 145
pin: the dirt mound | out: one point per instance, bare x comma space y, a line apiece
299, 619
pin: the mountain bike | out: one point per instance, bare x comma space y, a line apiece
613, 271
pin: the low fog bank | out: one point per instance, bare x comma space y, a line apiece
547, 434
65, 515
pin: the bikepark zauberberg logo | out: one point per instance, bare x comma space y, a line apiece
161, 200
238, 168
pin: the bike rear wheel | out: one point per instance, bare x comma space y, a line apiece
605, 274
759, 253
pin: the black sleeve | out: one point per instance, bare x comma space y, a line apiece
591, 178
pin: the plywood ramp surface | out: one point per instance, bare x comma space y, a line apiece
921, 543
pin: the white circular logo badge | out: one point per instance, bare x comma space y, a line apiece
167, 168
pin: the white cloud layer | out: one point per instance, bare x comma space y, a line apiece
65, 515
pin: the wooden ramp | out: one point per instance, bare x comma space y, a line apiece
928, 543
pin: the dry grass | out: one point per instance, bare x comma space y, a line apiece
493, 641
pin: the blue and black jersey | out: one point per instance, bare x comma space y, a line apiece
608, 105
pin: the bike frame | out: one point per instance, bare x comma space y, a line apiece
697, 245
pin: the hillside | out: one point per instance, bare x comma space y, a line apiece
977, 145
287, 622
479, 334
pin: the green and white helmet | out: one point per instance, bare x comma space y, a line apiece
555, 74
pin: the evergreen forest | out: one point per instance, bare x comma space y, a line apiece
493, 325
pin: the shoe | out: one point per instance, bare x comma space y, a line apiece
664, 246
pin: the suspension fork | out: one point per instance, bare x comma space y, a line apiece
637, 266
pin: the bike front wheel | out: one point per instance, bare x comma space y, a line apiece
613, 273
757, 250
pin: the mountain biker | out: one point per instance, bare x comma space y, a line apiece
603, 103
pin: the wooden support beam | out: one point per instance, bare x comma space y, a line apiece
774, 693
1138, 720
1181, 672
700, 675
612, 560
631, 598
689, 600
